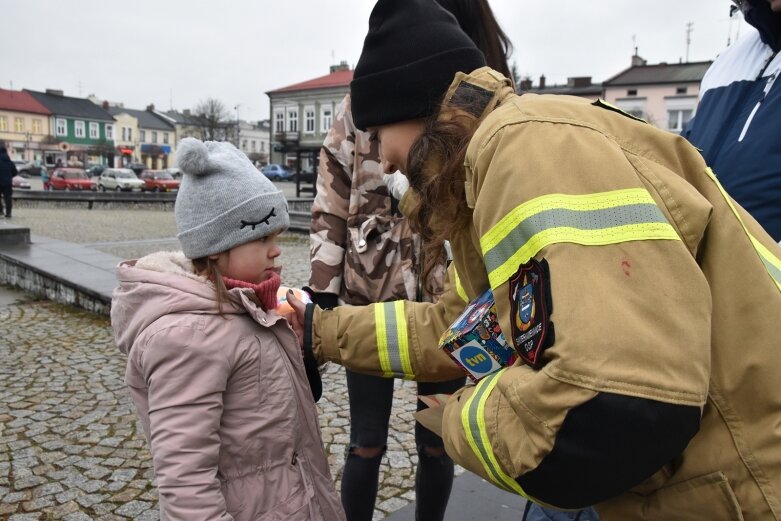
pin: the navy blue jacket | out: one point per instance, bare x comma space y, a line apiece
7, 170
738, 121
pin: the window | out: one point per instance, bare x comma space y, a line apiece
292, 120
79, 129
263, 146
94, 130
309, 120
252, 145
37, 126
61, 127
631, 92
18, 125
279, 120
680, 90
165, 137
677, 119
130, 134
124, 133
3, 123
154, 136
109, 131
325, 119
142, 135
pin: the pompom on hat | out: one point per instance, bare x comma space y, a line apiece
412, 52
223, 200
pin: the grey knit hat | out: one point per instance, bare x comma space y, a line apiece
223, 201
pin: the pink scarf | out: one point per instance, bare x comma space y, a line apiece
266, 291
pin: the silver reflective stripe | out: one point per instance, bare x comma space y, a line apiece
392, 336
601, 219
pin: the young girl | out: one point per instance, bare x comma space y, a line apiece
216, 375
645, 379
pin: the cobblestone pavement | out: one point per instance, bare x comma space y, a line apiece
70, 447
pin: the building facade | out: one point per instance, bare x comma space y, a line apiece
254, 140
302, 114
25, 128
663, 94
82, 130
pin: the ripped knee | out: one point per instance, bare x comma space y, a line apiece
367, 452
431, 452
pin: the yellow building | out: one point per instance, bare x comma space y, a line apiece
25, 127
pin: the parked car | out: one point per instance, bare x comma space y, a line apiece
27, 168
306, 176
159, 181
175, 172
96, 170
137, 168
119, 179
70, 179
276, 172
19, 182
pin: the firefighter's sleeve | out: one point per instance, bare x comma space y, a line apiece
624, 373
390, 339
330, 208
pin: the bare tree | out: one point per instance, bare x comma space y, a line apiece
516, 77
213, 119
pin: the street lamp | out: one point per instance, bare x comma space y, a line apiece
237, 125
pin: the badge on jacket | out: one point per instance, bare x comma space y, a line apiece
530, 307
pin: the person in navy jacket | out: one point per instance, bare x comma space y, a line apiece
737, 120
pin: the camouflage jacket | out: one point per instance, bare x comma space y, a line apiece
362, 248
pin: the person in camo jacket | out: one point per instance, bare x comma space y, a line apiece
364, 251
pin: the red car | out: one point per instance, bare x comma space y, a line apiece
159, 181
70, 179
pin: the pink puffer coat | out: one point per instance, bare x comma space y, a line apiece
224, 400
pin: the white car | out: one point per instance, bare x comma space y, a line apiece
119, 179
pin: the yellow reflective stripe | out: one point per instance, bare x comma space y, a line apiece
403, 340
769, 260
591, 220
459, 287
382, 339
393, 340
473, 422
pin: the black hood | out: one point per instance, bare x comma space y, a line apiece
766, 22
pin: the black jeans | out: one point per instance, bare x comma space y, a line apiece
7, 198
371, 398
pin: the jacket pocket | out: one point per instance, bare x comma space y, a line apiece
380, 261
705, 497
297, 507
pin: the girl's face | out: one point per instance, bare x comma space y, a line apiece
250, 262
395, 141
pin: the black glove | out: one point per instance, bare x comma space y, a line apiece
324, 300
310, 364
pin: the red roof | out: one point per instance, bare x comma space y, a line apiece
21, 101
335, 79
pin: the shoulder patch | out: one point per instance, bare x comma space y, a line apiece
530, 308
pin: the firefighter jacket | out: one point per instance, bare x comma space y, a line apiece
645, 301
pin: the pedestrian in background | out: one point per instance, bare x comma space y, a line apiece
216, 375
736, 123
642, 302
363, 251
7, 173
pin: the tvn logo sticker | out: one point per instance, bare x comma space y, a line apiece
476, 360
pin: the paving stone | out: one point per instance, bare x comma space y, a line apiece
26, 517
66, 416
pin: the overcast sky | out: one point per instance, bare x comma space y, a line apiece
174, 53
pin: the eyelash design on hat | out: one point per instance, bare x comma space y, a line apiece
264, 220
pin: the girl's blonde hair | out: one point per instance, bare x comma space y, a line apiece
436, 172
206, 267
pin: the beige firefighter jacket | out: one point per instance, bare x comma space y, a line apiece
658, 398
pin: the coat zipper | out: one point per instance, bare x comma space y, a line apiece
768, 85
